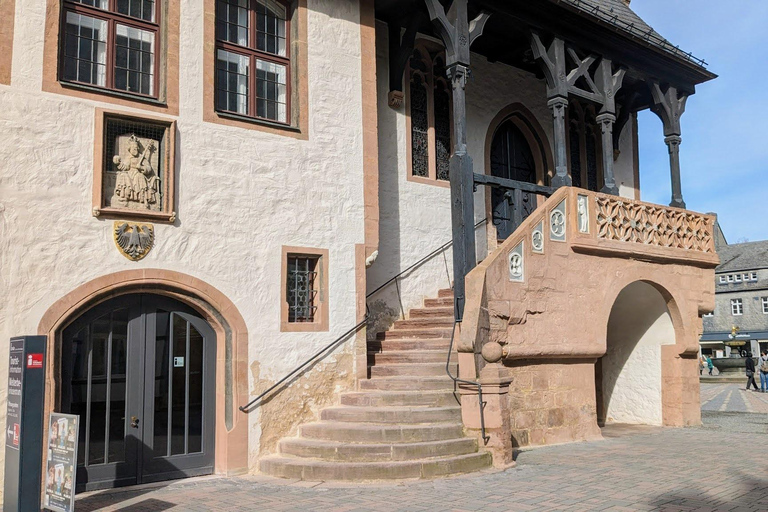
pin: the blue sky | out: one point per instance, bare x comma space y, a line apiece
724, 154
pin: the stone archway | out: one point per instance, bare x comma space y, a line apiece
231, 444
629, 377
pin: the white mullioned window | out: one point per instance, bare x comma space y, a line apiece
722, 279
753, 276
730, 279
737, 278
765, 305
737, 307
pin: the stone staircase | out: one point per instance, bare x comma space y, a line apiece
404, 422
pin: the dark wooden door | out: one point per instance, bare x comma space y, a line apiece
511, 158
140, 372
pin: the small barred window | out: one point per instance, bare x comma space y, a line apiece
302, 288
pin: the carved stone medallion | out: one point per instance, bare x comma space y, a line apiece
133, 240
516, 262
537, 238
557, 223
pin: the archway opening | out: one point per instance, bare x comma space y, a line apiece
628, 378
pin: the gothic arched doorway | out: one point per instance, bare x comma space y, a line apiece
511, 157
140, 369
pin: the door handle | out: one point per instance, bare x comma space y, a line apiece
134, 422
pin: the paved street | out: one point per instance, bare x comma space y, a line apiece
716, 467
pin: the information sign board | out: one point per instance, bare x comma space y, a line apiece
61, 462
15, 390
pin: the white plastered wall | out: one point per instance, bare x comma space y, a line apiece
415, 218
639, 325
242, 194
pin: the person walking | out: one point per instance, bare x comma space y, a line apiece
702, 364
710, 365
750, 371
763, 368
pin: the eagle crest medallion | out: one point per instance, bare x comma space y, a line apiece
133, 240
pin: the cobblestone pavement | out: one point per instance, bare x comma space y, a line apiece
712, 468
733, 398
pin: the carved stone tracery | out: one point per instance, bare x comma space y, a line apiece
652, 225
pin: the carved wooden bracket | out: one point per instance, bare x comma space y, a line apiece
602, 85
669, 106
625, 113
457, 36
400, 50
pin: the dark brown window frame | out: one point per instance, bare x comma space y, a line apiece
112, 17
253, 54
432, 51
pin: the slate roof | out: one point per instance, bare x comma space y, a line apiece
740, 257
617, 13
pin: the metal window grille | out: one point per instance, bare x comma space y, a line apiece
116, 127
302, 288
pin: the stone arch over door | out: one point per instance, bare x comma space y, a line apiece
537, 140
641, 376
231, 444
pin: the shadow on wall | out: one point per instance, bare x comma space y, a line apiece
628, 377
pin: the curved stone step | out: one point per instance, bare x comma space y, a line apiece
415, 334
408, 383
401, 415
337, 451
380, 433
399, 398
433, 312
411, 370
407, 356
424, 323
312, 469
401, 345
439, 302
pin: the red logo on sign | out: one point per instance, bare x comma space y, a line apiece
16, 432
34, 360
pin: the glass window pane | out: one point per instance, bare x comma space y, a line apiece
179, 386
232, 80
301, 288
134, 60
271, 79
117, 401
141, 9
195, 436
100, 4
79, 388
85, 49
98, 413
271, 17
162, 362
419, 127
232, 21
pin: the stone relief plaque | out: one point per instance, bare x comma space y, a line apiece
516, 264
537, 238
557, 223
583, 214
133, 181
135, 173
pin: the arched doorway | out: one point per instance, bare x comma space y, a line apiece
628, 378
139, 369
511, 158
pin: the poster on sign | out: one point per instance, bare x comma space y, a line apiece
61, 462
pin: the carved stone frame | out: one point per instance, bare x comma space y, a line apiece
167, 211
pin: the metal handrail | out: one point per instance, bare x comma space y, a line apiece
469, 383
420, 262
247, 406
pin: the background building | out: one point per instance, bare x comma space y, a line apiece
740, 319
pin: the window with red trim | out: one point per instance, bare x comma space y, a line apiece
111, 44
253, 59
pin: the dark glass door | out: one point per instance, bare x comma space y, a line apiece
139, 370
511, 158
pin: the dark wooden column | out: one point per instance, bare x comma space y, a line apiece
669, 106
553, 64
608, 84
457, 35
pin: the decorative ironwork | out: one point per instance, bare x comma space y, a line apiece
442, 129
652, 225
419, 127
301, 291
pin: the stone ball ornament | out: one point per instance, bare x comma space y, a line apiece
492, 352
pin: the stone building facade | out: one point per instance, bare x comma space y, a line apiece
739, 321
255, 231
